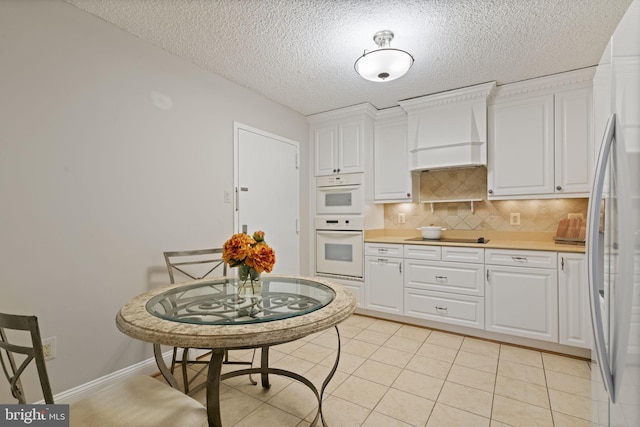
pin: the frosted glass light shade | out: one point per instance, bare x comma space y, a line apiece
384, 64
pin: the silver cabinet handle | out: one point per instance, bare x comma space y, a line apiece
558, 188
441, 278
562, 263
383, 250
490, 191
400, 266
441, 309
519, 258
487, 275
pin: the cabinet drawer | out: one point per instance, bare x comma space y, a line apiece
432, 253
519, 258
383, 249
459, 278
444, 307
463, 254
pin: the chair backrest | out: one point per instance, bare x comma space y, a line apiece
24, 353
193, 263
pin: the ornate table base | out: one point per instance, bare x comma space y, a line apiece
215, 375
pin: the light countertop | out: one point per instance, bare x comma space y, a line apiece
534, 241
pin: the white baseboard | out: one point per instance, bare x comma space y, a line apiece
146, 367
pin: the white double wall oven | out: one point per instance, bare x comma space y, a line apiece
339, 226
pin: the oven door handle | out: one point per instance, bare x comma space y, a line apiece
340, 188
338, 233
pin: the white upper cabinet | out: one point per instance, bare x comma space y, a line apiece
541, 137
521, 147
326, 149
342, 139
574, 159
393, 182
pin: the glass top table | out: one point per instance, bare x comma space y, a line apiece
218, 302
210, 314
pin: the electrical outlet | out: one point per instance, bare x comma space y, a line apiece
49, 348
401, 218
514, 218
575, 215
227, 196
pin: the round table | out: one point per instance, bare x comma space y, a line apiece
210, 314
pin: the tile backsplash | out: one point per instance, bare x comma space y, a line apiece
540, 215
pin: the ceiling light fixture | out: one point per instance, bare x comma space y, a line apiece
385, 63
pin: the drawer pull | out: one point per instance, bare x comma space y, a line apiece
441, 309
385, 260
441, 278
383, 250
519, 258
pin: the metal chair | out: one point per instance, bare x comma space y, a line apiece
26, 355
196, 264
210, 258
139, 400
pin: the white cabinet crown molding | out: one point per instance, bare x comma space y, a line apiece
392, 114
355, 111
542, 85
466, 94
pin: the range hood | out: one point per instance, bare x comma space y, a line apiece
448, 129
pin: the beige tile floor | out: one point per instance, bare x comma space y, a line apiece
392, 374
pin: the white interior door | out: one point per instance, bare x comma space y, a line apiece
267, 192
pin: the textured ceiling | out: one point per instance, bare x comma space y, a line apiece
300, 53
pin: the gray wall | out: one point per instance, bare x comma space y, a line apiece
99, 176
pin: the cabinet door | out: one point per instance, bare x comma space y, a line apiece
573, 300
325, 141
574, 141
522, 301
392, 178
521, 147
383, 284
351, 147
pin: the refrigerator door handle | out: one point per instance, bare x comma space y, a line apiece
604, 361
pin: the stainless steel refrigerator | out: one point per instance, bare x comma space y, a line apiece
613, 234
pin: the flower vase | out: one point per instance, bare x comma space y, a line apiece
249, 281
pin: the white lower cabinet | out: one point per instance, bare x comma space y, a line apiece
540, 295
438, 289
573, 300
383, 278
521, 301
356, 288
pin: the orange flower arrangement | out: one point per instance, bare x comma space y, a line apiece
251, 254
